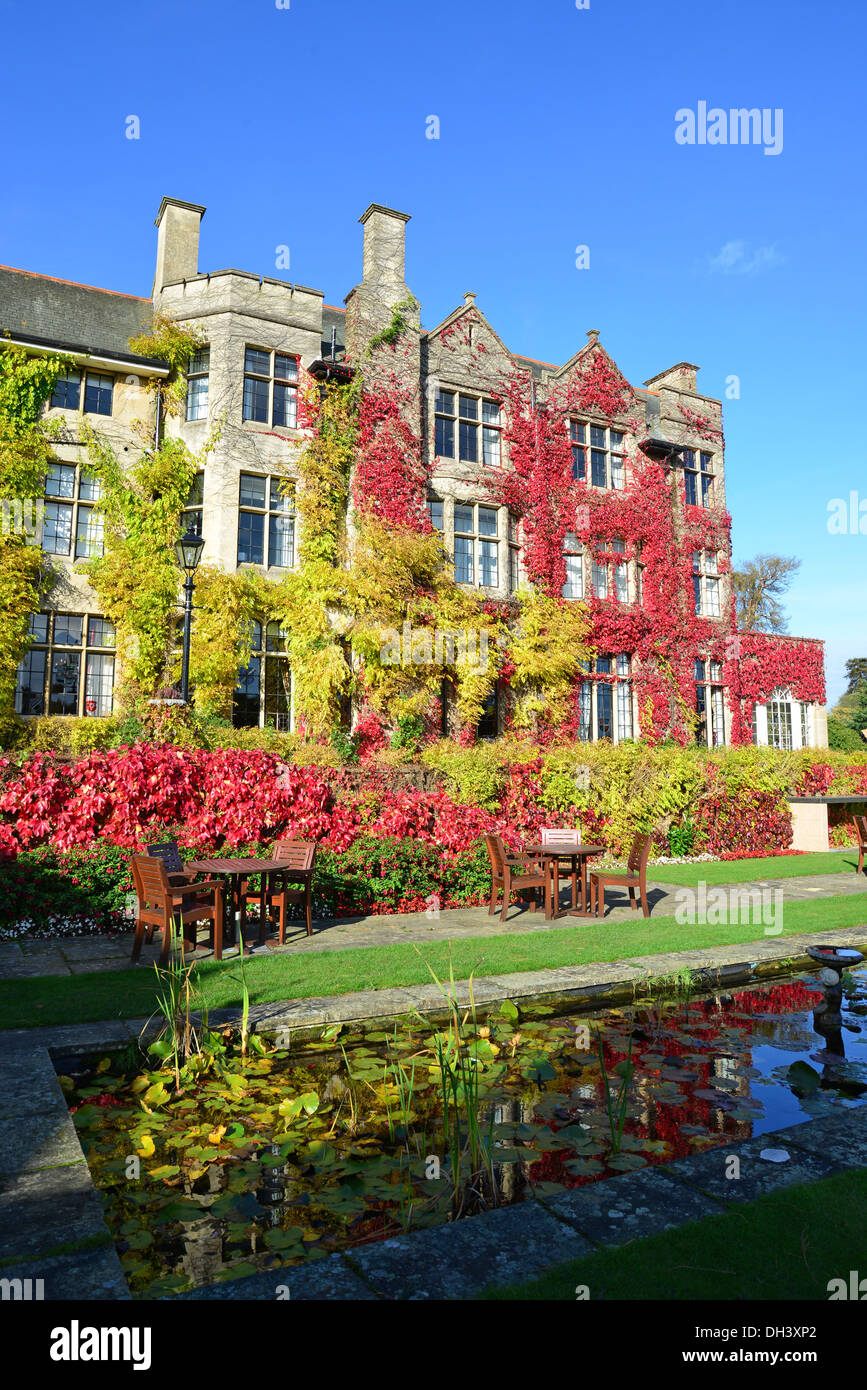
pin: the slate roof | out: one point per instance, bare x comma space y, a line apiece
77, 317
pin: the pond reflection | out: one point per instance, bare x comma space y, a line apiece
275, 1159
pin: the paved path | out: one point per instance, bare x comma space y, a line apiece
83, 955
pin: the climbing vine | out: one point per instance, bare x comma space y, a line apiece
137, 577
26, 384
175, 344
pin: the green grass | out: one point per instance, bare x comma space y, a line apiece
54, 999
843, 861
786, 1245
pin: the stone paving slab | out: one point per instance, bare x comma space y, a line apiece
330, 1279
73, 1037
53, 1207
28, 1084
841, 1137
87, 1274
336, 1008
632, 1205
572, 979
459, 1259
36, 1130
710, 1171
31, 1142
16, 964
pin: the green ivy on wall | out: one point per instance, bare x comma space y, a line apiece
26, 383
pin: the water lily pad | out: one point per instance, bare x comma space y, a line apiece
283, 1240
626, 1162
803, 1080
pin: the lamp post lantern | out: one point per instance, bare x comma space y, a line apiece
188, 549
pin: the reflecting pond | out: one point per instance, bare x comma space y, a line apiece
283, 1156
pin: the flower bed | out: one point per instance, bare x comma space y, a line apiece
67, 829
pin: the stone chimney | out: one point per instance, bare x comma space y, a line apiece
384, 247
177, 243
683, 376
383, 284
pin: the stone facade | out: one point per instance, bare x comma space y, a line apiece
260, 332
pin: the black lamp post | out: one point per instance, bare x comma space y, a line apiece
188, 549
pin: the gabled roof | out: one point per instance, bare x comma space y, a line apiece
60, 312
592, 345
469, 307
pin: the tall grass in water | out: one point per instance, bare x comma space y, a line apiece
467, 1142
615, 1105
245, 994
178, 1039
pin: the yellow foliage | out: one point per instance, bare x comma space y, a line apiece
548, 646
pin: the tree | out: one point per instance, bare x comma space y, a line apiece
856, 674
851, 709
859, 712
758, 587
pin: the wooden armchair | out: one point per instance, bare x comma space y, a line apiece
169, 853
860, 824
161, 902
294, 884
516, 873
635, 877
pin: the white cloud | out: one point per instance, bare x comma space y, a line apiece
738, 258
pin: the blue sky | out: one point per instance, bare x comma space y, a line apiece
557, 129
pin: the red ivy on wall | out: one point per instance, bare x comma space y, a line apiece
660, 533
390, 479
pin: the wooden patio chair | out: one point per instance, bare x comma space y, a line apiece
160, 903
298, 856
860, 824
551, 836
635, 877
170, 854
516, 873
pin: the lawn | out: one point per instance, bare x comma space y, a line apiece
131, 993
844, 861
786, 1245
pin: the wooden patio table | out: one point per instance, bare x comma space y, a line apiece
234, 871
578, 855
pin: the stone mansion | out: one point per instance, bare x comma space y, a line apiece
261, 337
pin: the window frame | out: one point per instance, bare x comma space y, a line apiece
198, 376
271, 381
82, 501
88, 652
456, 426
481, 545
706, 581
600, 688
586, 449
269, 513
